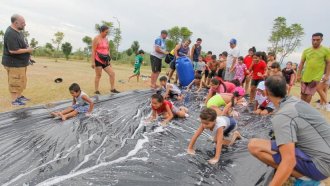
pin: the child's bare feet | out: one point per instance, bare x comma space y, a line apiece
236, 135
62, 116
55, 114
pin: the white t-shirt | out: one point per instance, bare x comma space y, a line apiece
232, 53
200, 65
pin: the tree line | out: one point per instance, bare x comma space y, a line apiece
284, 39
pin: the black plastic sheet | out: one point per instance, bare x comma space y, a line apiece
115, 146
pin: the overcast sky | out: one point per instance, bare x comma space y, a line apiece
216, 22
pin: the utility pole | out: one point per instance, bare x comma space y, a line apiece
120, 30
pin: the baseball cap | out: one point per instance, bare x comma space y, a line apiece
261, 85
233, 41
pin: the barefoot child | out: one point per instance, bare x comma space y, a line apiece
221, 127
171, 90
81, 104
137, 65
164, 108
217, 86
262, 106
197, 83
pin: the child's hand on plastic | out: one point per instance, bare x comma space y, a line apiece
191, 151
164, 123
213, 161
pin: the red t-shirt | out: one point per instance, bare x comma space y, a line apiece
162, 108
247, 61
230, 87
207, 59
258, 68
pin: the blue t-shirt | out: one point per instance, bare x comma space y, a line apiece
161, 43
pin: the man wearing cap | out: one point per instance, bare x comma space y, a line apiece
233, 54
156, 56
15, 59
316, 62
302, 139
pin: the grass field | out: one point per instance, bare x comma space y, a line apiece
42, 89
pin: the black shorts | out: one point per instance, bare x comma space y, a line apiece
206, 73
255, 82
266, 108
172, 65
199, 72
212, 74
105, 65
156, 64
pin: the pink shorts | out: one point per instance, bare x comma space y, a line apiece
309, 88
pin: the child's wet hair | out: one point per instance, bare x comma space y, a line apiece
216, 81
163, 78
158, 97
74, 87
214, 57
198, 76
208, 114
236, 82
276, 65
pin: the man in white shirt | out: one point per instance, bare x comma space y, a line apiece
233, 54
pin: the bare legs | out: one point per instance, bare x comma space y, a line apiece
98, 74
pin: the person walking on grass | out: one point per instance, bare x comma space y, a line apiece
137, 65
301, 148
317, 60
101, 59
156, 56
15, 59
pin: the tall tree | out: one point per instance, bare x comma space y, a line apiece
57, 41
135, 47
33, 43
2, 34
66, 49
117, 39
285, 39
88, 41
177, 34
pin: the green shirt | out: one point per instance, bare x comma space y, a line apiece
315, 62
138, 61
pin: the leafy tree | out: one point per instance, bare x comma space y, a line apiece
66, 48
285, 39
175, 35
33, 43
2, 34
58, 41
26, 33
88, 41
106, 23
49, 49
129, 52
117, 38
135, 47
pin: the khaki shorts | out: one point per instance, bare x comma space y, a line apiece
309, 88
16, 79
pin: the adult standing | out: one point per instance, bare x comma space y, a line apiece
233, 54
101, 59
248, 62
302, 139
156, 56
316, 58
180, 50
196, 50
15, 59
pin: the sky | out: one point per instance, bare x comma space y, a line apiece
215, 21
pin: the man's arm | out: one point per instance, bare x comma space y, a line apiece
301, 66
327, 71
158, 48
233, 64
286, 167
21, 51
192, 52
177, 47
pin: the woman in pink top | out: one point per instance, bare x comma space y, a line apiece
101, 59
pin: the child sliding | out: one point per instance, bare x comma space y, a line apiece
221, 127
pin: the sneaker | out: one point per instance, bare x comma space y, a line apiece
299, 182
17, 102
97, 92
115, 91
23, 98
